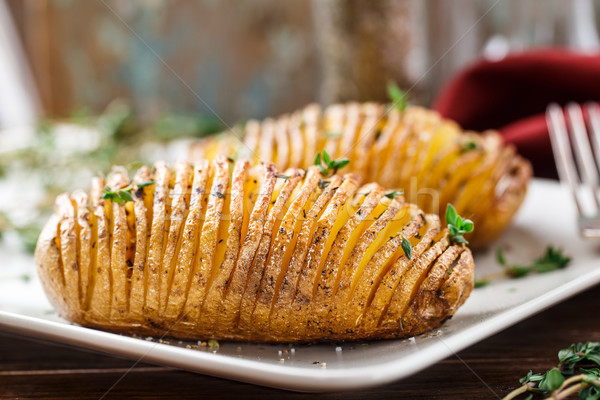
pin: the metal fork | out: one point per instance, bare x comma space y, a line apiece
580, 175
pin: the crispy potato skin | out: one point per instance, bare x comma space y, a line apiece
304, 261
432, 159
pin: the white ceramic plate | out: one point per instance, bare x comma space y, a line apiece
547, 217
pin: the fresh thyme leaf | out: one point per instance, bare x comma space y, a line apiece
406, 247
500, 256
279, 176
531, 377
144, 184
573, 362
339, 164
551, 381
457, 226
481, 283
551, 260
326, 158
469, 146
394, 194
125, 195
589, 393
323, 183
330, 166
397, 96
577, 353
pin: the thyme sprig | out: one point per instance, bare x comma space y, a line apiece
457, 225
393, 194
406, 247
571, 375
551, 260
123, 195
398, 97
327, 166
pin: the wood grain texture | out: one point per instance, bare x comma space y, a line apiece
34, 370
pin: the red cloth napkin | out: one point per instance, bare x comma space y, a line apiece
511, 95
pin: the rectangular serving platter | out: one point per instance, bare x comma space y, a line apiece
546, 218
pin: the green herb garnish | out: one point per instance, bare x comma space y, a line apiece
323, 183
123, 195
568, 377
551, 260
394, 194
399, 98
327, 166
469, 146
481, 283
457, 226
280, 176
407, 247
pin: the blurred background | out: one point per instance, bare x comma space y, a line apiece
86, 84
257, 57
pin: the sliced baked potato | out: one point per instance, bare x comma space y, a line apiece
430, 158
241, 252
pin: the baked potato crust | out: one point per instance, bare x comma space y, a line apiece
432, 159
241, 252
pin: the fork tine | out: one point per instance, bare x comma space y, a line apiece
593, 113
562, 150
583, 152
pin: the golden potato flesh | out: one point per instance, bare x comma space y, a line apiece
415, 150
241, 252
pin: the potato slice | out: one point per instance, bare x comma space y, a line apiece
280, 322
100, 300
407, 287
201, 274
311, 134
283, 145
162, 176
340, 251
68, 247
239, 276
186, 256
118, 264
426, 307
213, 304
334, 214
179, 210
142, 224
398, 264
282, 248
49, 267
260, 258
83, 234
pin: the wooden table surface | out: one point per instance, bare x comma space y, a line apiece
31, 369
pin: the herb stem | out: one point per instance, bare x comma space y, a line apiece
559, 395
517, 392
569, 381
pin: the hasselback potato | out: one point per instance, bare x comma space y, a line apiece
430, 158
238, 252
